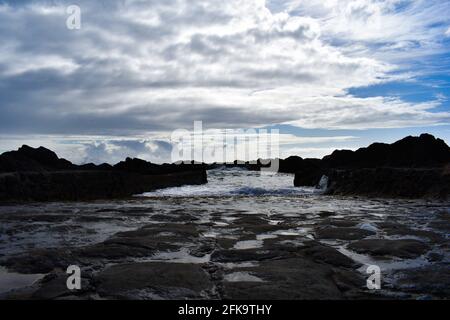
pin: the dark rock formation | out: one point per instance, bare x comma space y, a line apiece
434, 280
309, 172
410, 152
404, 248
286, 279
168, 280
30, 174
31, 159
342, 233
393, 182
87, 185
413, 167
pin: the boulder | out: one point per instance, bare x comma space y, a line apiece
161, 278
404, 248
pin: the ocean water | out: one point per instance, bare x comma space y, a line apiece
239, 182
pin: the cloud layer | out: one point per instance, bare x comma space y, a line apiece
146, 66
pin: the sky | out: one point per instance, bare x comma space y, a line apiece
327, 74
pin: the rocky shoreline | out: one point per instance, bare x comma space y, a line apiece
180, 249
265, 246
414, 167
429, 183
30, 174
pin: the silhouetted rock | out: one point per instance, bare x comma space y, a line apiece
88, 184
392, 182
92, 166
308, 172
136, 166
30, 174
410, 152
291, 164
413, 167
31, 159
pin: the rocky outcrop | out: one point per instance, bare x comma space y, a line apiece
403, 248
31, 159
30, 174
393, 182
424, 151
414, 167
87, 185
309, 172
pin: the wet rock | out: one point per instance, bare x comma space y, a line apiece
432, 280
189, 279
442, 225
173, 218
19, 229
322, 253
202, 250
41, 261
250, 220
435, 257
65, 228
226, 243
325, 214
288, 279
97, 218
349, 281
342, 233
430, 235
405, 248
161, 237
37, 217
338, 223
180, 229
112, 251
55, 286
255, 224
234, 255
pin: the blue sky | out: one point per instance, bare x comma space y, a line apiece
328, 74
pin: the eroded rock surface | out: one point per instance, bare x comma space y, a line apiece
152, 249
405, 248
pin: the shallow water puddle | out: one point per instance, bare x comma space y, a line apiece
265, 236
181, 256
10, 280
385, 265
248, 244
234, 265
242, 277
292, 232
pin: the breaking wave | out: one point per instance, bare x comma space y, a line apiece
237, 182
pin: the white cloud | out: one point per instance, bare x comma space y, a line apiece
138, 66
